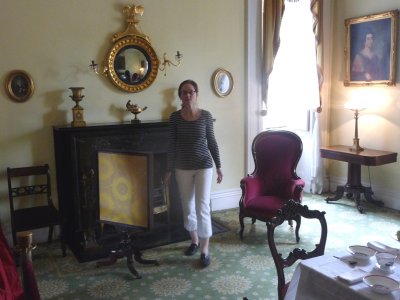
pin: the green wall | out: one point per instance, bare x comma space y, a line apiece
55, 40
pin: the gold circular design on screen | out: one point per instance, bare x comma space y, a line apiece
121, 189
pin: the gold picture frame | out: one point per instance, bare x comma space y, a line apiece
144, 63
370, 51
19, 85
222, 82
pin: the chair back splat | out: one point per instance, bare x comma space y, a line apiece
274, 181
31, 204
293, 210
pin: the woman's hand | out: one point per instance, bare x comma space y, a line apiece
219, 175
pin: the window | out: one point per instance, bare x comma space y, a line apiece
293, 84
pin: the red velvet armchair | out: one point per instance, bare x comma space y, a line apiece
274, 181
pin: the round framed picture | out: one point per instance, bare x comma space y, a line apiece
222, 82
19, 85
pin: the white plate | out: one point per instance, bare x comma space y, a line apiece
361, 252
381, 247
381, 284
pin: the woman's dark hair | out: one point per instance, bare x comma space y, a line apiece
188, 81
369, 30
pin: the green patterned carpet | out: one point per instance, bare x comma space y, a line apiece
238, 268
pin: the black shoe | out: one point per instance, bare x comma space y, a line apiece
192, 249
205, 260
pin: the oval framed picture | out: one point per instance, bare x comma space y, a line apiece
222, 82
19, 86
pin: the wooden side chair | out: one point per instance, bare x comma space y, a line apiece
31, 204
293, 210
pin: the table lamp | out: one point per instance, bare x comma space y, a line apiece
356, 107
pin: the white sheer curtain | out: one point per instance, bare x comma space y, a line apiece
293, 93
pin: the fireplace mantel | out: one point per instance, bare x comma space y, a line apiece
76, 156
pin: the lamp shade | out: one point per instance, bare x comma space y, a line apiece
355, 105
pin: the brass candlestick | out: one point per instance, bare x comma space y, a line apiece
77, 110
356, 141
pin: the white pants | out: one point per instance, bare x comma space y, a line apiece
195, 190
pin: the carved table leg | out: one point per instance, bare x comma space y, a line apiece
129, 262
354, 188
112, 259
357, 199
339, 194
356, 192
128, 250
368, 196
138, 257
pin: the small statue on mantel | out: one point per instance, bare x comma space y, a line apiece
135, 109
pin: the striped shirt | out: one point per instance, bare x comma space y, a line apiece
192, 144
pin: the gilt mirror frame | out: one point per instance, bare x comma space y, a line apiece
115, 57
376, 32
222, 82
131, 63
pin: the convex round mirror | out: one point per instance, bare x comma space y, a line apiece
222, 82
132, 64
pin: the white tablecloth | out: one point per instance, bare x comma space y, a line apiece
316, 278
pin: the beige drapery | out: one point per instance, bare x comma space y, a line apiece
317, 184
316, 9
271, 23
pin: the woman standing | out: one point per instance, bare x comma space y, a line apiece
191, 150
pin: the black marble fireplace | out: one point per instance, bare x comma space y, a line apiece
76, 155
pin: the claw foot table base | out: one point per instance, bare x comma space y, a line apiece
355, 160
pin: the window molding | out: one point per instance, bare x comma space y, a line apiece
254, 101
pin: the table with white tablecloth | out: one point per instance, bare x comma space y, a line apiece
317, 278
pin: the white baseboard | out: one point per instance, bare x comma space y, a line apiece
225, 199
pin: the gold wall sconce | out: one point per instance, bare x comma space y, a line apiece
131, 63
94, 67
167, 63
162, 66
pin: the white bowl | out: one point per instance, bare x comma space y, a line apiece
381, 284
361, 252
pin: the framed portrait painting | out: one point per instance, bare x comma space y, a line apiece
19, 86
370, 52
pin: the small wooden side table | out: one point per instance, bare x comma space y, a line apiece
353, 187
